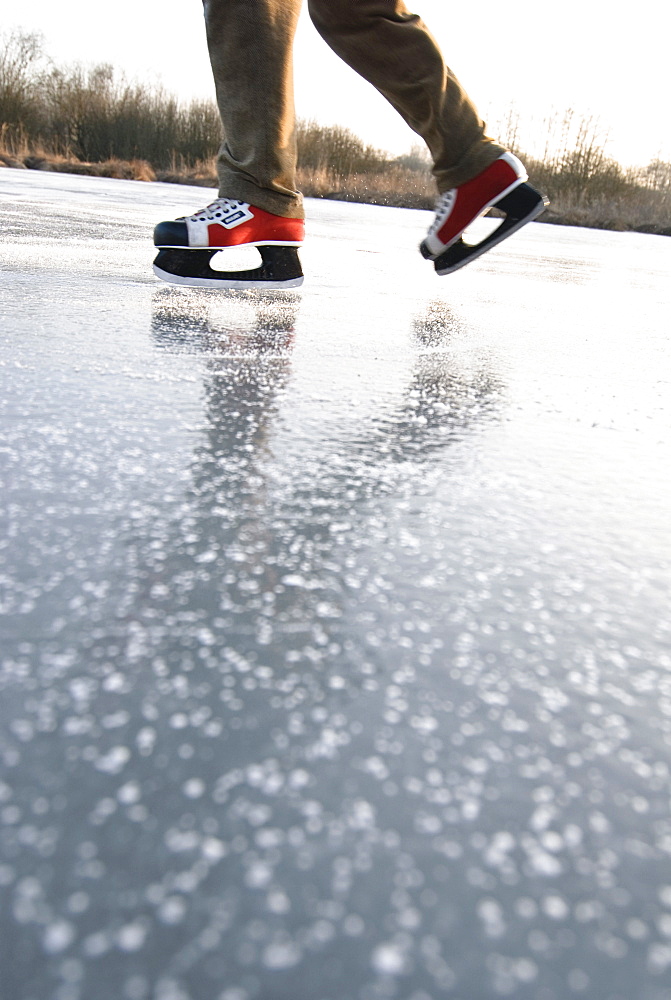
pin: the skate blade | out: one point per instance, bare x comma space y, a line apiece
521, 206
280, 268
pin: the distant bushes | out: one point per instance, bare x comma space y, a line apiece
586, 187
93, 114
334, 163
92, 120
336, 148
19, 54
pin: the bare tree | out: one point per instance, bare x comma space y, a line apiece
20, 55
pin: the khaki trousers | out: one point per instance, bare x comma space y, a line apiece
250, 44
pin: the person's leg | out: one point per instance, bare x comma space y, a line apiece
250, 44
393, 49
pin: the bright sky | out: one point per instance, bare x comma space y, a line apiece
596, 58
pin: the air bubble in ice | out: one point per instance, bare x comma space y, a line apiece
281, 955
58, 936
114, 760
131, 936
388, 959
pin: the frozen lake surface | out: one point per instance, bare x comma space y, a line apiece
336, 658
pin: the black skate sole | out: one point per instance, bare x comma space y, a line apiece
522, 205
279, 268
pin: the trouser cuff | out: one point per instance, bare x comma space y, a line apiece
476, 159
289, 205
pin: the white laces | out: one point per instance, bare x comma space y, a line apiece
443, 209
216, 210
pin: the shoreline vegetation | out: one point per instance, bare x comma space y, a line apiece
91, 120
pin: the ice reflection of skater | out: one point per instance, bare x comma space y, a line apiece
250, 44
263, 323
247, 367
253, 515
452, 393
223, 548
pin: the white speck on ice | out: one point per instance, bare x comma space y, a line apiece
299, 778
206, 557
193, 788
545, 864
172, 910
258, 875
361, 815
58, 936
281, 955
131, 937
388, 959
278, 901
491, 915
129, 793
214, 849
114, 760
555, 907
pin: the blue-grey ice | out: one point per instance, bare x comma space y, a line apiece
335, 642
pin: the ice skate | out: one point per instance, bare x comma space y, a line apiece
502, 185
188, 244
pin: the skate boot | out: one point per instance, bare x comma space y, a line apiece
503, 185
187, 245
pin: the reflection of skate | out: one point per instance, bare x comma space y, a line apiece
456, 387
502, 186
187, 246
229, 325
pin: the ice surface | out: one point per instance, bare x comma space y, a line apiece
335, 624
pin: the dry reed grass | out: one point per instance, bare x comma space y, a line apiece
396, 186
633, 209
30, 156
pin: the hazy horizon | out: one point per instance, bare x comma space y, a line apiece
170, 50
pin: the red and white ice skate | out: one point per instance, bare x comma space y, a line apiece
501, 185
187, 245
